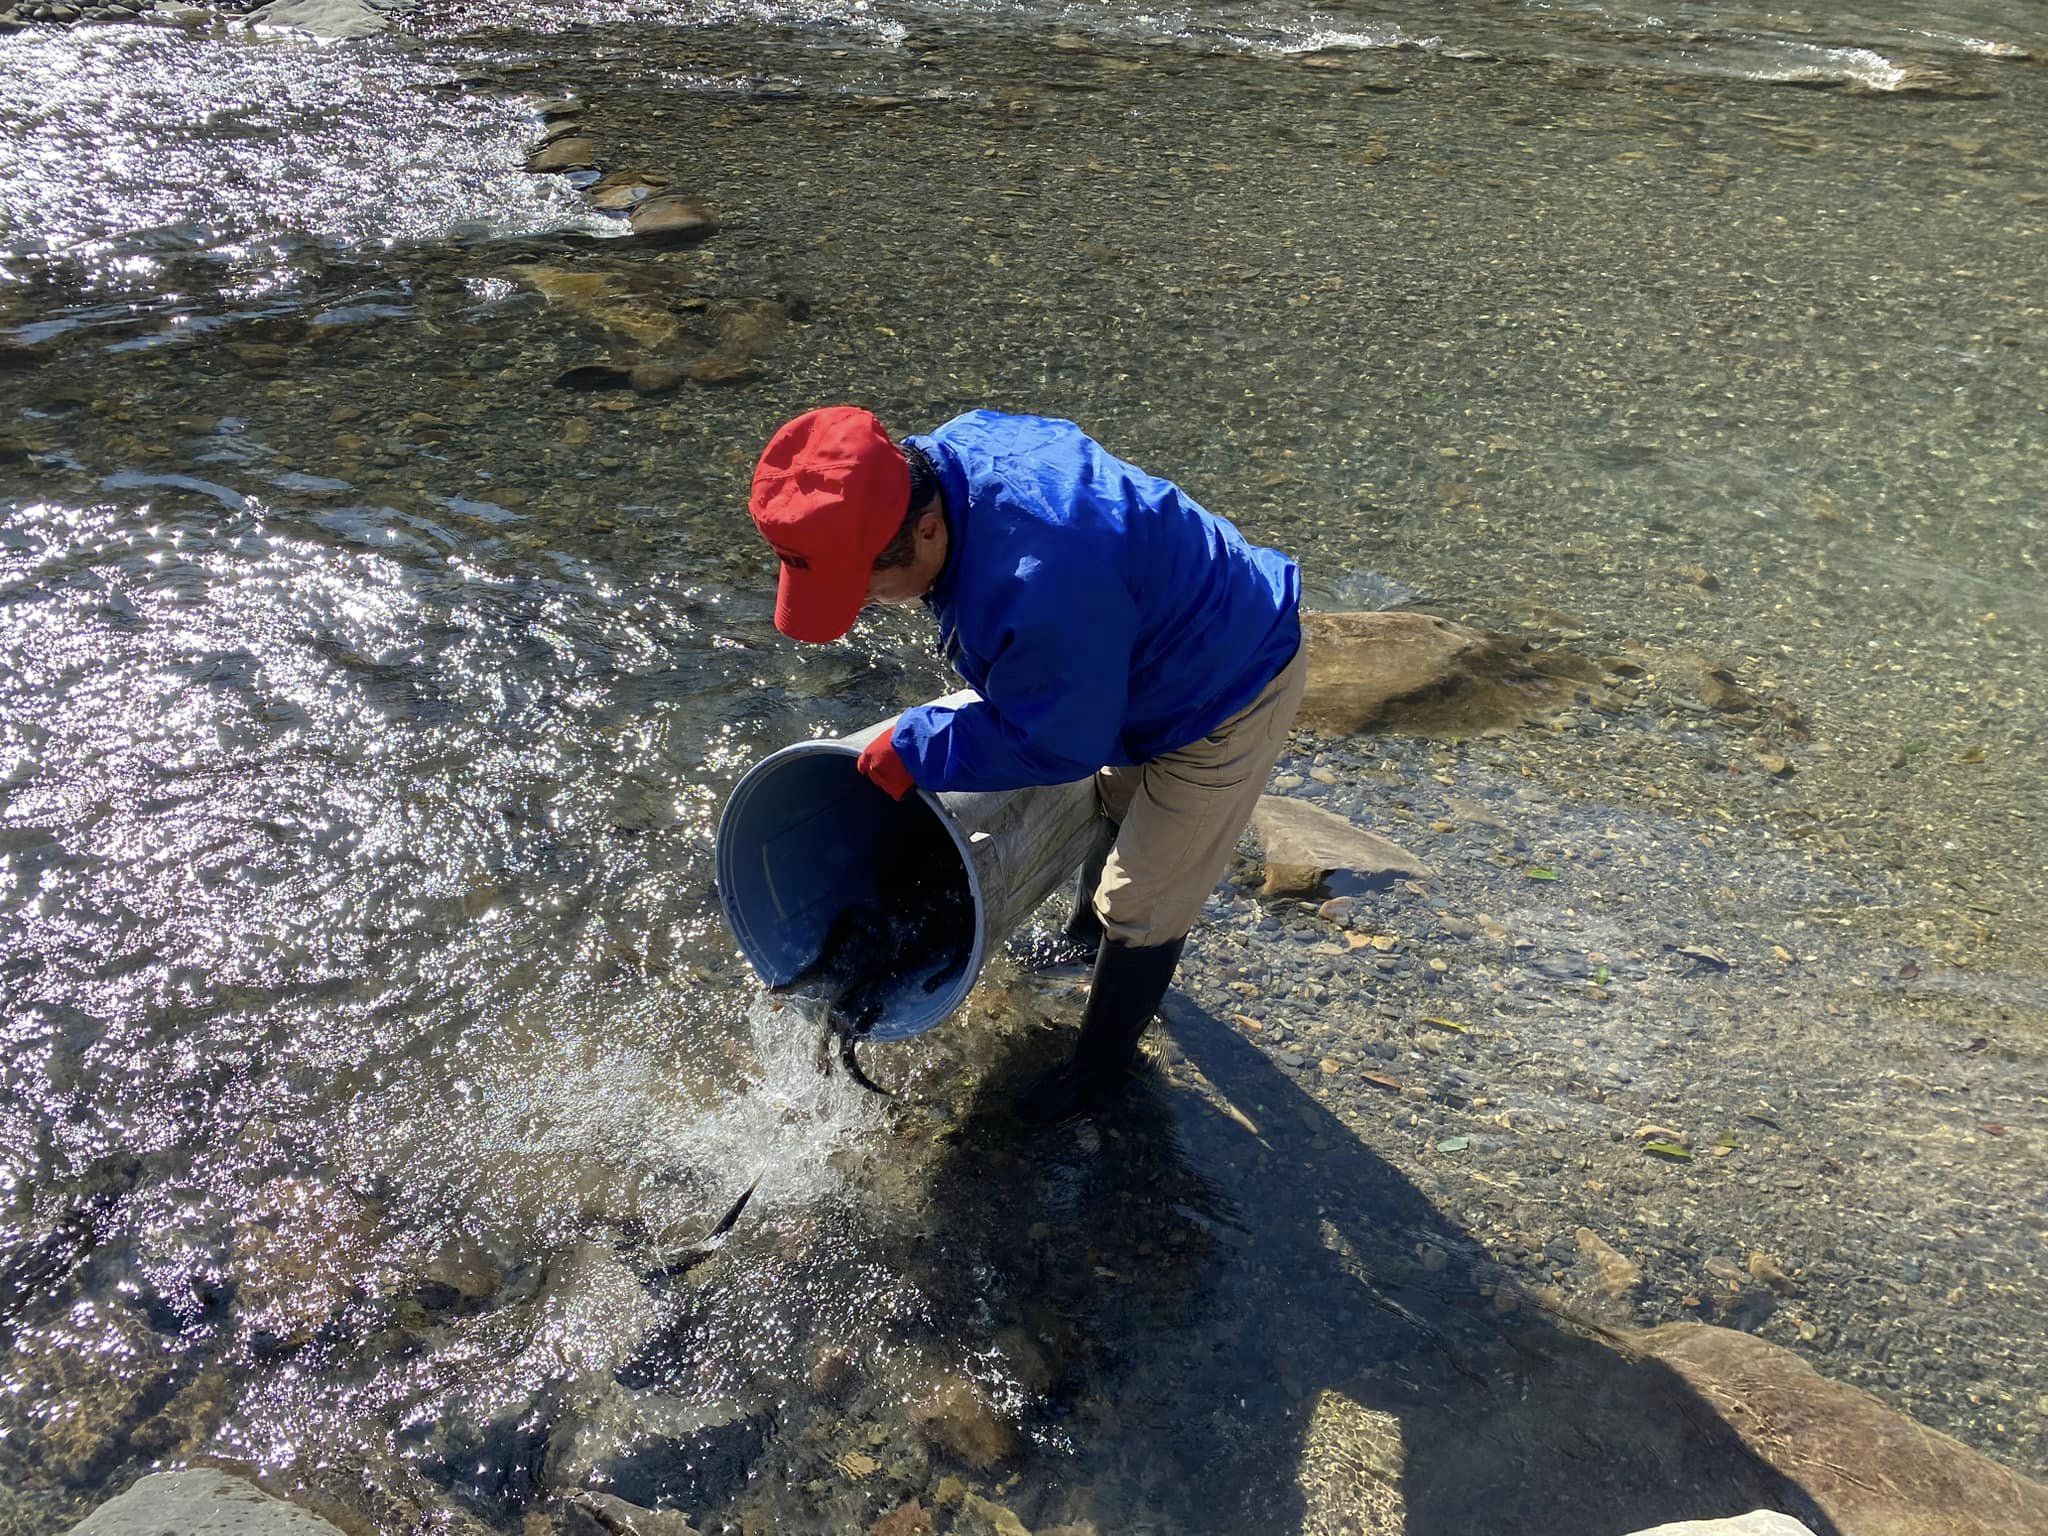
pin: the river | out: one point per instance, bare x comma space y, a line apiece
369, 687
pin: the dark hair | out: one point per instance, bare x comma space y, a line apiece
924, 487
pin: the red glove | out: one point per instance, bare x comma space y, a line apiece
883, 766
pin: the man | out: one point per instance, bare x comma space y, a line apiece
1110, 625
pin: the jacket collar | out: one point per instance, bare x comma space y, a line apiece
953, 493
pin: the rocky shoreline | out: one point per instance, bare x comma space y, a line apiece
26, 13
1700, 984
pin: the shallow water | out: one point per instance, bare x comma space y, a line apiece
367, 698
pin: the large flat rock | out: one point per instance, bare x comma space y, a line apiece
1305, 848
1874, 1471
1762, 1522
200, 1502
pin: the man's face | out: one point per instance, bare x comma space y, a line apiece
897, 584
906, 583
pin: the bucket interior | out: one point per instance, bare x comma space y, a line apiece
805, 836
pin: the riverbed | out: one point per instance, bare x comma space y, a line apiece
374, 659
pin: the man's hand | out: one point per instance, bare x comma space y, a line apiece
884, 769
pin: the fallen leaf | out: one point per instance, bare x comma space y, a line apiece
1451, 1024
857, 1464
1994, 1127
1541, 874
1670, 1150
1381, 1080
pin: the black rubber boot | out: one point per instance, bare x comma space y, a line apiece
1084, 928
1130, 983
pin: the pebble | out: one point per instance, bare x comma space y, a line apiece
1288, 781
1766, 1270
1726, 1270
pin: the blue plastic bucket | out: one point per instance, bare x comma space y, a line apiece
804, 835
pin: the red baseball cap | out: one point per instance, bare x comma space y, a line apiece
829, 494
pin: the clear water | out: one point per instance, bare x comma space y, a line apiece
367, 699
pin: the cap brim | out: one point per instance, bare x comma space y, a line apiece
819, 606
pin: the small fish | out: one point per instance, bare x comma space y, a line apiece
706, 1246
869, 951
36, 1267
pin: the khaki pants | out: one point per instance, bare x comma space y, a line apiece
1179, 816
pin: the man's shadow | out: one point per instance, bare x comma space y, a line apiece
1249, 1321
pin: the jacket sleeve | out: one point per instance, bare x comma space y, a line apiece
1054, 703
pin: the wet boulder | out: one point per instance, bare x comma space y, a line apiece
200, 1499
570, 153
1302, 849
1761, 1522
672, 219
1871, 1469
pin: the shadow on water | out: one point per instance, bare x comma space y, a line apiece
1268, 1327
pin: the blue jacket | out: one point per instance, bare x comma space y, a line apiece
1100, 613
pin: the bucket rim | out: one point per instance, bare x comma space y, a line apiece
751, 949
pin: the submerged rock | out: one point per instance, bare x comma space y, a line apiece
99, 1376
1618, 1275
1423, 675
1301, 846
16, 356
616, 191
960, 1421
672, 219
623, 1518
626, 306
297, 1259
655, 377
722, 368
909, 1518
201, 1499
